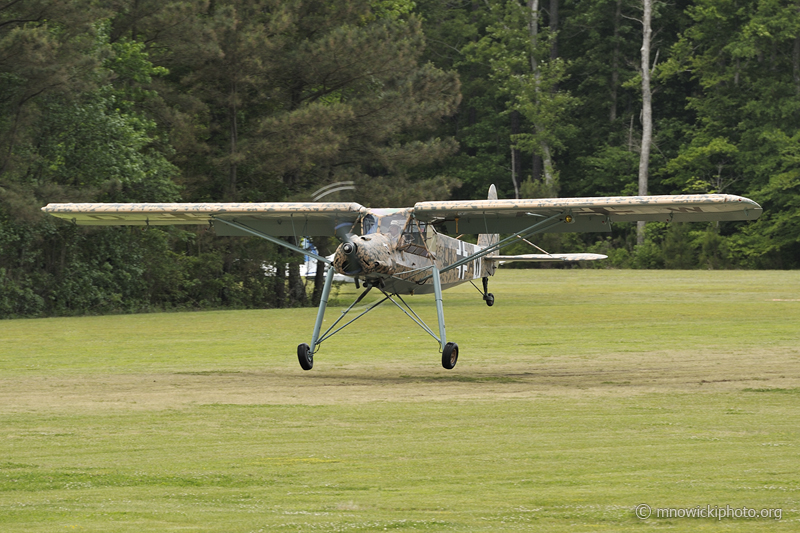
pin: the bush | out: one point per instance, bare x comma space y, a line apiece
51, 268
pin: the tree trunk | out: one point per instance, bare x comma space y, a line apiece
533, 31
647, 109
796, 64
472, 112
319, 284
135, 24
297, 289
549, 168
553, 56
515, 155
612, 115
514, 173
234, 133
280, 281
630, 133
554, 31
321, 244
12, 137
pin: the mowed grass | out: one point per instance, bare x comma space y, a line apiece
578, 396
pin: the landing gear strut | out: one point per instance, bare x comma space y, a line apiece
449, 349
305, 352
488, 297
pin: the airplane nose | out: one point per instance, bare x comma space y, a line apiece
347, 256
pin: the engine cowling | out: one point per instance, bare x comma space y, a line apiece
365, 256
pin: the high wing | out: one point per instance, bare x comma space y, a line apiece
581, 214
279, 219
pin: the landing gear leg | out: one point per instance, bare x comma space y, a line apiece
305, 353
449, 349
488, 297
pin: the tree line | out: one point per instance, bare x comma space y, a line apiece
267, 100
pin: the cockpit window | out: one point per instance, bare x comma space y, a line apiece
413, 240
369, 224
392, 225
389, 222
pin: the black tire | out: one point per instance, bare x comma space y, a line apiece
489, 299
305, 356
450, 355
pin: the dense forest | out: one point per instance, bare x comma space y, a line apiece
270, 100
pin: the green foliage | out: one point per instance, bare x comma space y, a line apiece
513, 90
295, 94
392, 9
610, 171
535, 189
746, 60
123, 269
267, 100
131, 62
92, 144
239, 99
707, 168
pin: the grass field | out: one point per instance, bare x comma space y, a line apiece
578, 396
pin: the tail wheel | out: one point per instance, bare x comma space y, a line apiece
450, 355
305, 356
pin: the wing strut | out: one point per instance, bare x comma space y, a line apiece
276, 240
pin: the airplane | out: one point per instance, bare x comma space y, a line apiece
409, 251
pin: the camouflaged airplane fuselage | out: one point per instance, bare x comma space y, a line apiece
396, 251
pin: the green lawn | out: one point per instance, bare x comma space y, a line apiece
578, 396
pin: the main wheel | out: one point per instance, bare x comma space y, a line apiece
450, 355
489, 298
305, 356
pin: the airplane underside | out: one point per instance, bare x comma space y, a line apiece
392, 289
410, 288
